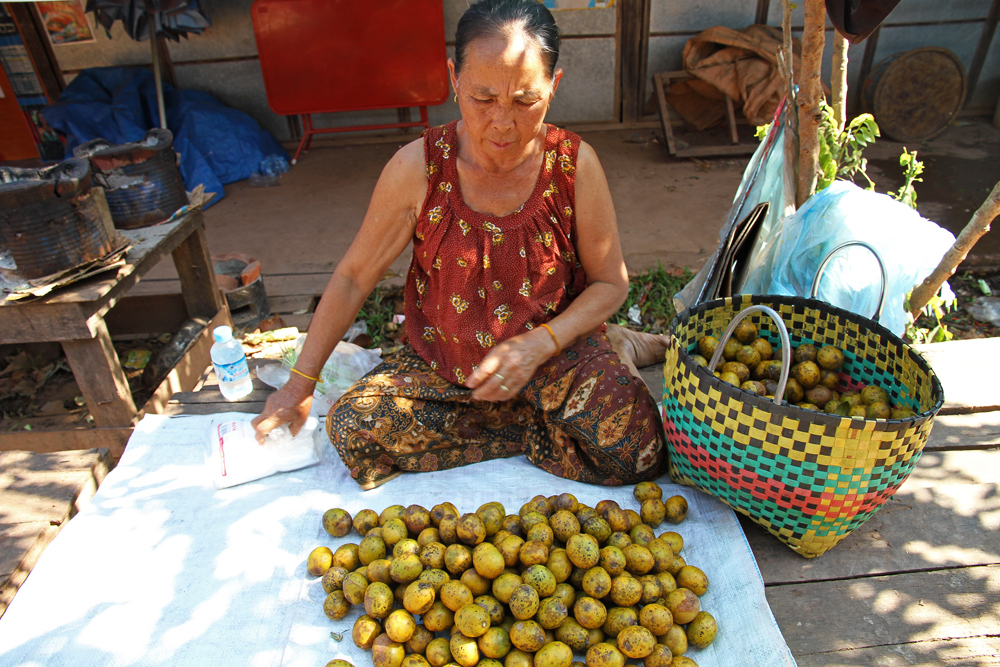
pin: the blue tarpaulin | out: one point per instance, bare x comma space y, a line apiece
217, 144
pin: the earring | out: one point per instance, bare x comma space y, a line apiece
456, 98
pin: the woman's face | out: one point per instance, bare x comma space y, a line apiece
503, 92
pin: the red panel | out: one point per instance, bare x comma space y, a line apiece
16, 139
344, 55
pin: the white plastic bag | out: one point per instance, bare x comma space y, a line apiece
911, 247
235, 457
347, 364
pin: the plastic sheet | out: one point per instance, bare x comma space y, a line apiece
790, 253
217, 144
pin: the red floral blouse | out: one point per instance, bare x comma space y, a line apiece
475, 279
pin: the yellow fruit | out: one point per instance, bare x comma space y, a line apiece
739, 369
805, 352
701, 630
527, 635
693, 579
319, 561
707, 345
365, 630
878, 410
675, 640
472, 620
400, 626
748, 356
874, 394
656, 618
636, 641
794, 393
646, 490
336, 606
677, 509
387, 653
337, 522
731, 348
605, 655
731, 378
745, 331
807, 373
830, 358
684, 605
763, 347
554, 654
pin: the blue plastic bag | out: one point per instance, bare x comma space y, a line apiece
217, 144
789, 255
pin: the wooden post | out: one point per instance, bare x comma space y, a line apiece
977, 227
810, 93
838, 85
635, 47
982, 49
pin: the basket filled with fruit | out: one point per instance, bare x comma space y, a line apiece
801, 415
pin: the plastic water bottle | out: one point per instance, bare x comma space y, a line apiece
230, 365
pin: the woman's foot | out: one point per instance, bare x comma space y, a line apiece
637, 349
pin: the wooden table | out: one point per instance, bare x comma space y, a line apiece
918, 584
75, 317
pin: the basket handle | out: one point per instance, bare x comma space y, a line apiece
881, 266
786, 346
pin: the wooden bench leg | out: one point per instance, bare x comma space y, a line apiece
194, 268
100, 377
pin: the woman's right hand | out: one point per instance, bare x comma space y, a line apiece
288, 405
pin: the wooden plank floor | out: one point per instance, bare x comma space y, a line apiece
39, 493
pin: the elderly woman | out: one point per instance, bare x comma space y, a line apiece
516, 266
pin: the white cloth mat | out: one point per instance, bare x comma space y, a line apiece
163, 569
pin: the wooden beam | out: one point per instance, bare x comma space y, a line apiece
635, 53
100, 377
856, 102
166, 63
39, 48
194, 268
763, 8
982, 50
147, 314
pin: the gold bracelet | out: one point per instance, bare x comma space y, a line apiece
308, 377
554, 339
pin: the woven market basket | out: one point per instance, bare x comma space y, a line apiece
809, 478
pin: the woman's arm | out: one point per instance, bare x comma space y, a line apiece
387, 229
599, 249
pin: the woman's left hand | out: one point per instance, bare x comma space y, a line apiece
509, 366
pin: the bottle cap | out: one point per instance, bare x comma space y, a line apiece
223, 334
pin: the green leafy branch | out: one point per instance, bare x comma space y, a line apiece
840, 150
912, 168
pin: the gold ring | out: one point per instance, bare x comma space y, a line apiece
504, 389
499, 377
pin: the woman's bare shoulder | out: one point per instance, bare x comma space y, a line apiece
405, 175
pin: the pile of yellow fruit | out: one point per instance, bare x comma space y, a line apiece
443, 589
748, 363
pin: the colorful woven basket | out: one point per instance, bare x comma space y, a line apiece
808, 477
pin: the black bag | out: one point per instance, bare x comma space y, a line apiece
729, 269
